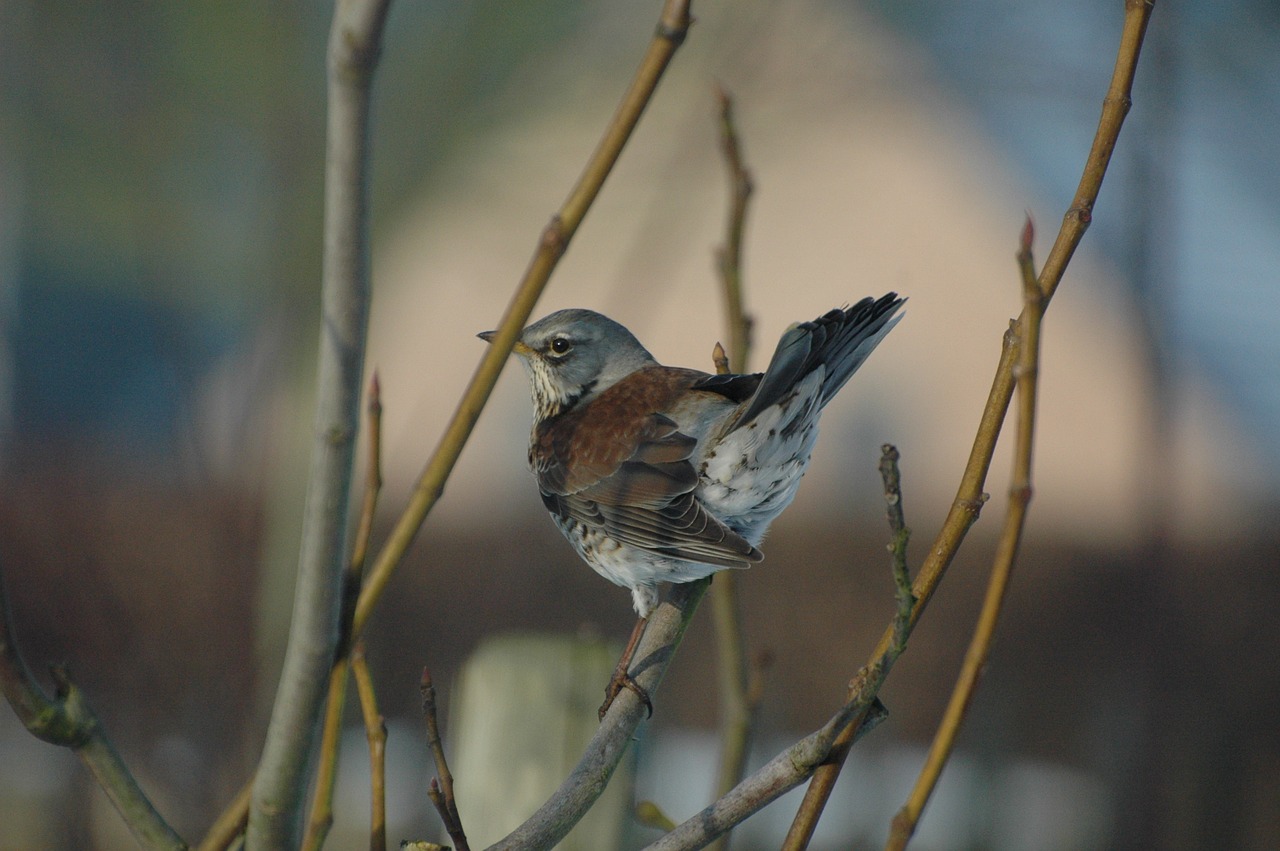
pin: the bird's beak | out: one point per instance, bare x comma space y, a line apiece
519, 348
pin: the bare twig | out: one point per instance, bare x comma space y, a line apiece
1115, 106
672, 27
228, 827
719, 359
587, 781
781, 774
892, 479
650, 814
868, 681
69, 722
904, 823
441, 788
970, 497
375, 729
321, 818
737, 709
281, 780
729, 255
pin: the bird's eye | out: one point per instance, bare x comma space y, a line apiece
561, 346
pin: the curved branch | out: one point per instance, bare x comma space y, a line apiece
975, 660
69, 722
780, 775
970, 498
738, 700
281, 780
672, 27
553, 821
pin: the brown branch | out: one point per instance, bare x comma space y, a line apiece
375, 729
970, 497
441, 789
904, 823
672, 27
906, 600
729, 255
1115, 106
69, 722
869, 679
321, 818
228, 827
737, 708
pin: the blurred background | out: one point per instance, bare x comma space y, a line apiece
160, 188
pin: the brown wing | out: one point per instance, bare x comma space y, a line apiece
634, 481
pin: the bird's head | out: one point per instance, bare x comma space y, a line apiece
572, 355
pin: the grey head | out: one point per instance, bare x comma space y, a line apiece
573, 355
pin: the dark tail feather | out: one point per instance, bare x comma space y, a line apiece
841, 339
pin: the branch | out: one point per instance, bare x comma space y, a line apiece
321, 818
228, 827
281, 780
672, 27
1115, 106
554, 819
780, 775
870, 678
375, 729
441, 788
892, 479
970, 497
729, 256
69, 722
904, 823
738, 703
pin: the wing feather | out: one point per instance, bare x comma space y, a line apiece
636, 482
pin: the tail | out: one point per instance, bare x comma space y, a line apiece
839, 340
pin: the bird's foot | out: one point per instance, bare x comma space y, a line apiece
622, 680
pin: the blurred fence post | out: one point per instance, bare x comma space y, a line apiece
522, 711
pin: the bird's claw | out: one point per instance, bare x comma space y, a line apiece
615, 687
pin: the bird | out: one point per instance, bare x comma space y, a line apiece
660, 474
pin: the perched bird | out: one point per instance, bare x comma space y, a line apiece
662, 474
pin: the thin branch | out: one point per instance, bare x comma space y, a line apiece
441, 788
650, 814
672, 27
737, 709
69, 722
281, 781
321, 818
1115, 106
869, 679
906, 600
554, 819
780, 775
729, 256
970, 497
904, 823
375, 729
228, 827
